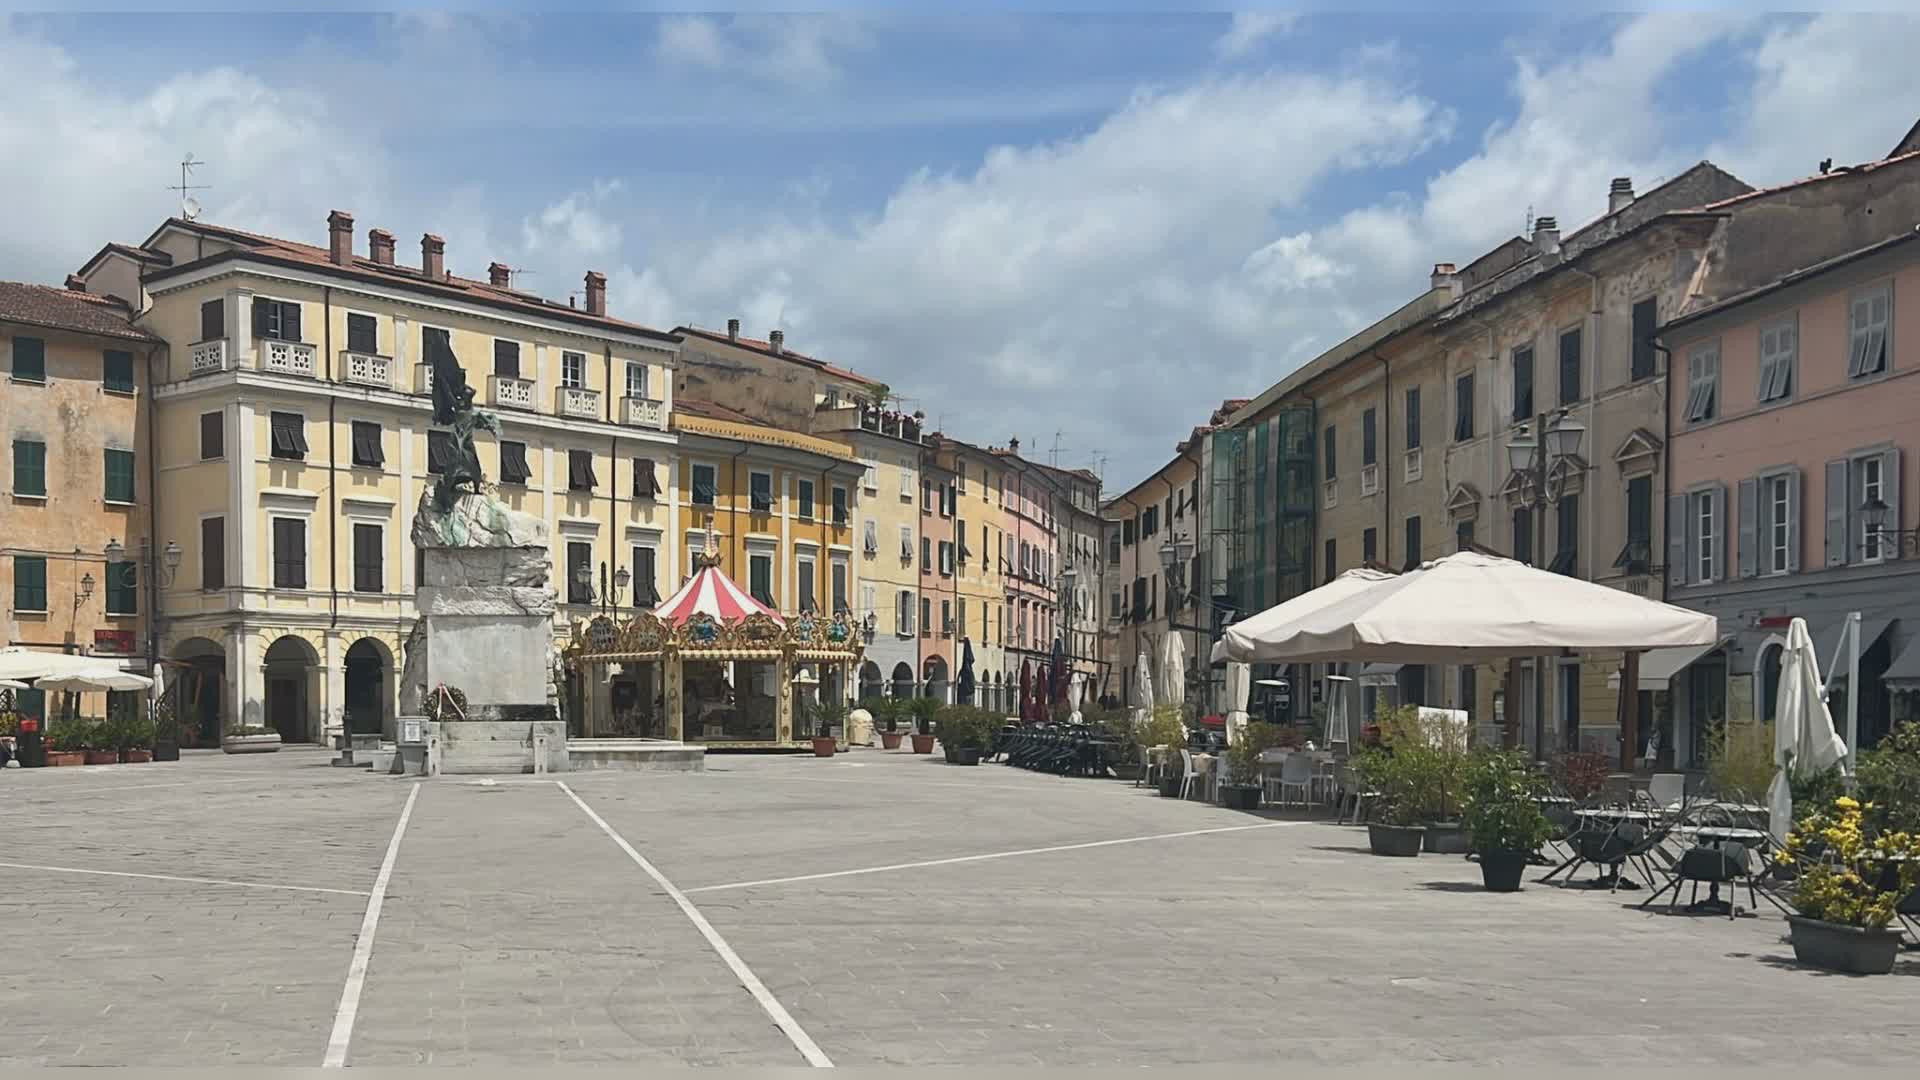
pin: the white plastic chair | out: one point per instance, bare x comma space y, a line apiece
1187, 773
1667, 789
1296, 775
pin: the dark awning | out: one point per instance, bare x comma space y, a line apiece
1826, 640
1904, 672
1379, 673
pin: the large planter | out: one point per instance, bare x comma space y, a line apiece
102, 757
137, 756
250, 744
1500, 871
952, 755
1170, 787
966, 755
890, 740
1851, 949
922, 744
164, 750
1132, 770
66, 757
1446, 838
824, 747
1240, 796
1399, 841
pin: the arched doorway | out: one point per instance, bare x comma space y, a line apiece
369, 688
936, 677
1771, 655
870, 683
902, 680
289, 673
198, 691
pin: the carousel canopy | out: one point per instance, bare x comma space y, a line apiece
712, 593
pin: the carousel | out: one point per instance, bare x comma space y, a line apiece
710, 665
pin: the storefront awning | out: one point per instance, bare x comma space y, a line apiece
1826, 641
1379, 674
1659, 666
1904, 672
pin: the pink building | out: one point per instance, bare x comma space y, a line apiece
1791, 407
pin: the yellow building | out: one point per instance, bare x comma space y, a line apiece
292, 445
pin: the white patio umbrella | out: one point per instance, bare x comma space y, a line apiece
1241, 640
101, 679
1173, 669
1471, 606
1803, 737
1239, 686
1076, 691
9, 684
17, 662
1143, 682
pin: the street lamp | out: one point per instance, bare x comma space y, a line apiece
86, 591
1874, 512
1534, 454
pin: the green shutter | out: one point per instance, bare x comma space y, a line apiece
29, 360
116, 370
29, 468
120, 488
123, 588
29, 583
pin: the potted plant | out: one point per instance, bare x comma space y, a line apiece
166, 731
822, 715
887, 714
922, 710
1503, 818
132, 735
1242, 788
1397, 832
1843, 904
248, 739
1164, 732
965, 733
62, 739
98, 742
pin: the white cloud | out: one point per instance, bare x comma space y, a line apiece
794, 50
1250, 29
575, 224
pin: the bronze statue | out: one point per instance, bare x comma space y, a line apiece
453, 407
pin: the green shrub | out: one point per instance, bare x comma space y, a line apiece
923, 710
1499, 810
1740, 759
1888, 777
965, 726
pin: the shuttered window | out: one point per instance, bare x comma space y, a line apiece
760, 491
213, 553
369, 563
278, 320
1570, 366
289, 436
705, 480
1868, 335
1463, 407
513, 463
213, 320
367, 451
1645, 317
29, 360
580, 475
1523, 384
119, 471
29, 467
363, 333
213, 436
1779, 346
29, 583
646, 485
1703, 382
116, 370
506, 359
289, 553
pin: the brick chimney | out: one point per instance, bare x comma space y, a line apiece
380, 246
777, 341
433, 257
733, 329
1445, 276
1546, 235
340, 238
499, 275
1620, 195
596, 293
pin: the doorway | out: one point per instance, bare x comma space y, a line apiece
367, 672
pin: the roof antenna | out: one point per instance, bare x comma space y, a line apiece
1528, 231
189, 206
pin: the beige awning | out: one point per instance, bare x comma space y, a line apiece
1241, 642
1659, 666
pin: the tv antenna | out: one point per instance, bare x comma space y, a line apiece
189, 206
1053, 458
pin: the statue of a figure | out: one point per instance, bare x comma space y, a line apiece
453, 407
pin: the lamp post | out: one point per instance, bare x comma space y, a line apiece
1874, 512
606, 598
1533, 453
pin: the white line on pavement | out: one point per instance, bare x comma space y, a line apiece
994, 855
91, 787
781, 1018
363, 946
189, 880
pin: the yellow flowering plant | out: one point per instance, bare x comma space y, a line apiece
1848, 875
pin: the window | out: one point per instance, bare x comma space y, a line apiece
1779, 345
1706, 534
1368, 438
1463, 535
1779, 509
705, 480
440, 451
906, 478
1523, 384
1566, 531
289, 436
960, 541
1645, 317
513, 463
213, 553
1703, 382
903, 613
367, 452
1872, 488
120, 487
926, 617
1370, 545
1116, 606
870, 479
1139, 599
506, 358
1463, 407
1868, 331
926, 554
906, 543
573, 370
1637, 556
1126, 534
116, 370
213, 320
1413, 542
645, 573
645, 484
760, 492
579, 573
29, 583
806, 572
637, 380
1413, 418
946, 618
805, 489
369, 570
870, 538
434, 337
29, 360
839, 505
123, 588
278, 320
839, 574
1113, 547
1523, 535
213, 436
1570, 701
29, 467
289, 553
363, 333
963, 618
1327, 454
580, 471
946, 558
1150, 522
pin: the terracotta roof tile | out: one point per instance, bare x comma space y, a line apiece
1831, 174
68, 309
761, 346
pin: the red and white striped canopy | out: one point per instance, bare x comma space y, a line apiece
712, 593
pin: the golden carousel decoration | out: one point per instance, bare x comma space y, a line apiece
714, 626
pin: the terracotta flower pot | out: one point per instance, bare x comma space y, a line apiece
824, 746
136, 756
890, 740
102, 757
923, 744
65, 757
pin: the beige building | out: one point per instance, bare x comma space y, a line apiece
1146, 600
77, 570
292, 445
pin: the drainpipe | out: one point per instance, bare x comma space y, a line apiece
1384, 440
733, 511
153, 527
333, 488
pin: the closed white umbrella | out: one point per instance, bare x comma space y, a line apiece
101, 679
1239, 685
1143, 686
1804, 741
1076, 691
1173, 669
1471, 606
1242, 639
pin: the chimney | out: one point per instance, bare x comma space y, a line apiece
499, 275
433, 257
777, 340
380, 245
596, 293
1546, 235
1620, 195
76, 283
340, 238
733, 329
1013, 444
1445, 276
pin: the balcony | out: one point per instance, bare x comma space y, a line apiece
1415, 466
367, 369
507, 392
208, 357
287, 357
643, 413
887, 422
576, 402
1369, 480
423, 378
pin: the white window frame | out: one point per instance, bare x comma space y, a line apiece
907, 479
1860, 335
570, 379
1703, 383
806, 567
1873, 549
1706, 530
645, 380
1775, 503
773, 494
306, 524
870, 480
693, 482
1778, 342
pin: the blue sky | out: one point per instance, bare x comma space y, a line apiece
1092, 224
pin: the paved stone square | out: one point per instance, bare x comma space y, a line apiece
206, 912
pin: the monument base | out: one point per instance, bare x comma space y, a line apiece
482, 747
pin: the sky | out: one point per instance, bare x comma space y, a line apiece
1084, 230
